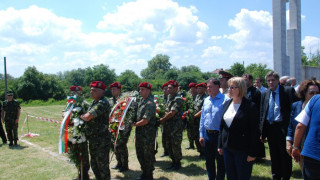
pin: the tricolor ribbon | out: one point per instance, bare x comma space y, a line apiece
63, 136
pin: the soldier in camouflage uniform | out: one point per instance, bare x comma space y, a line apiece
198, 103
146, 131
83, 147
96, 131
163, 130
10, 114
121, 149
174, 125
2, 133
191, 96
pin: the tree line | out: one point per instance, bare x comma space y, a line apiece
35, 85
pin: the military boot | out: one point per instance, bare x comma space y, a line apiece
142, 177
11, 143
123, 168
177, 166
15, 143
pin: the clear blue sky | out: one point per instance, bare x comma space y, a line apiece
56, 36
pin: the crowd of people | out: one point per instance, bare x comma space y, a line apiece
228, 121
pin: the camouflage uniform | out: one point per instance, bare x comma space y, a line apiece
98, 135
2, 133
11, 109
198, 103
164, 134
145, 136
174, 127
121, 149
190, 121
82, 147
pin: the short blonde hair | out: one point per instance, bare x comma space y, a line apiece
241, 83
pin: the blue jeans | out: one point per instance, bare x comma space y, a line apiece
311, 168
237, 167
211, 152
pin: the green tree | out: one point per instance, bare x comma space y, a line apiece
190, 68
237, 69
36, 85
129, 80
171, 74
185, 78
257, 70
100, 73
75, 77
158, 65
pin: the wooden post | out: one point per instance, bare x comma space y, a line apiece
5, 77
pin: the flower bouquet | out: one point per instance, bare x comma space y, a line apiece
118, 114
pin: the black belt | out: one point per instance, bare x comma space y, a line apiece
212, 131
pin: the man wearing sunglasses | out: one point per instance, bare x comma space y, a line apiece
10, 114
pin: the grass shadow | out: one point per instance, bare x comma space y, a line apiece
263, 162
18, 147
296, 174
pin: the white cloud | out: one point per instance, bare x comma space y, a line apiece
253, 37
212, 51
311, 44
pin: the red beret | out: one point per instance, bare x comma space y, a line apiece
145, 85
164, 85
98, 84
75, 88
202, 85
225, 74
173, 82
192, 85
116, 84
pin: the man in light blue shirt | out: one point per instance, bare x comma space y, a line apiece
209, 128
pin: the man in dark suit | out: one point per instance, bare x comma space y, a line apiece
275, 111
254, 95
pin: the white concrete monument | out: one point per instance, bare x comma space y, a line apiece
287, 43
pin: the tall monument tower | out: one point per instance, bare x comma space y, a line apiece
287, 43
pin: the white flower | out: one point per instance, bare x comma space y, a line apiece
76, 121
76, 109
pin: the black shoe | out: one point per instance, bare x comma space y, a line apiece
177, 166
123, 169
15, 143
171, 166
118, 166
164, 154
11, 143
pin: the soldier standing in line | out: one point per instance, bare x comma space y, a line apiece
96, 130
164, 131
2, 133
121, 149
10, 114
146, 131
189, 108
174, 110
198, 103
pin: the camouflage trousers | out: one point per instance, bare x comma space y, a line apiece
145, 154
12, 130
163, 139
121, 152
196, 133
190, 131
173, 144
99, 151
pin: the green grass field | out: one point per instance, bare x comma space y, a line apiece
40, 160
